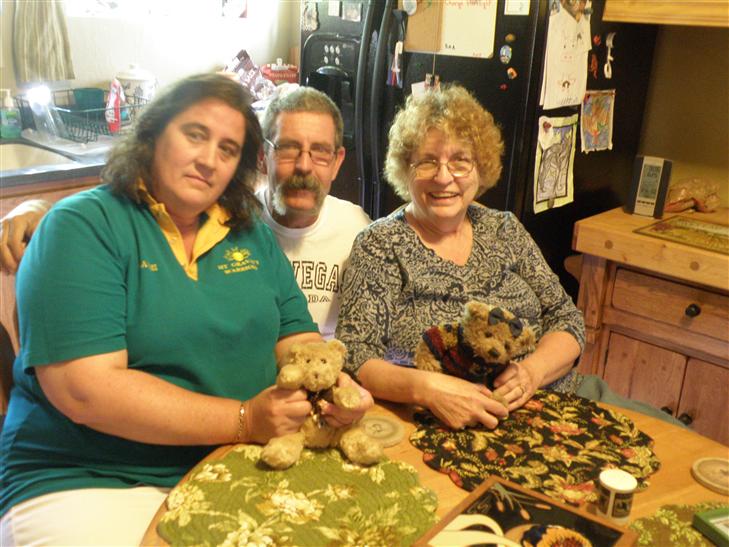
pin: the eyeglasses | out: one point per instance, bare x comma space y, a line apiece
291, 151
428, 169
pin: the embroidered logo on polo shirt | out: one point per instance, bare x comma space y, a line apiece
144, 265
238, 261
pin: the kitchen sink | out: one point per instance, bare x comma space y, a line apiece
22, 156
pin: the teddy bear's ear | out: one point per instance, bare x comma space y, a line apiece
293, 353
338, 346
477, 310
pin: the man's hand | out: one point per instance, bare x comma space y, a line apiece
16, 230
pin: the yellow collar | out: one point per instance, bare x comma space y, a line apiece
211, 232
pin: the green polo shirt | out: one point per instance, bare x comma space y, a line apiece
101, 276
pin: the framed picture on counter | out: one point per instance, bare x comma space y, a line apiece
501, 512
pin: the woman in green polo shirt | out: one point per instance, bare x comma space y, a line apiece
152, 310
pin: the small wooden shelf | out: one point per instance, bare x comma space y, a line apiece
704, 13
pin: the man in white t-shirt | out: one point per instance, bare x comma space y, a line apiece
302, 155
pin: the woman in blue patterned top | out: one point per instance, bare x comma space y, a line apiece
419, 266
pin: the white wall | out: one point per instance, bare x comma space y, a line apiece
169, 47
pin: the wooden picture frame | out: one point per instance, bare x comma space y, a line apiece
516, 510
649, 186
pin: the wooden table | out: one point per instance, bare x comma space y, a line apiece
675, 447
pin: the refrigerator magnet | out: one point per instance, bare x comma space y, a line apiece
553, 168
505, 54
593, 65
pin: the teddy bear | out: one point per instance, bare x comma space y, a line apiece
478, 347
315, 367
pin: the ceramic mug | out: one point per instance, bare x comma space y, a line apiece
137, 82
615, 489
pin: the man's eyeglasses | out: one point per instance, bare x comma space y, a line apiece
290, 152
428, 169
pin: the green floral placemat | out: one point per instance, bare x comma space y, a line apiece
322, 500
556, 444
671, 525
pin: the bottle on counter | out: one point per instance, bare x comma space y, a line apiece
10, 123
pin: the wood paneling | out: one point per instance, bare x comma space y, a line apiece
705, 397
644, 372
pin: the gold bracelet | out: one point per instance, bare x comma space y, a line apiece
241, 423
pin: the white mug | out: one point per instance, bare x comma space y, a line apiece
615, 489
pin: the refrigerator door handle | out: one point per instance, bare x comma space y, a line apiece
379, 72
359, 99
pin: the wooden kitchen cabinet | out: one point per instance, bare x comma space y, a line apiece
706, 13
657, 318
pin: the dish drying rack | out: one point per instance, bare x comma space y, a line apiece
84, 124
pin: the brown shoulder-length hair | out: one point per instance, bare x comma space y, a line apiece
459, 115
132, 158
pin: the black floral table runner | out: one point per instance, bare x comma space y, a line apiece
556, 444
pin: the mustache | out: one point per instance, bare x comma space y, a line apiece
301, 182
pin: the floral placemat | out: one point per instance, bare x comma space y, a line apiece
556, 444
322, 500
671, 525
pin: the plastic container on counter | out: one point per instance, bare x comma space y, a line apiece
280, 73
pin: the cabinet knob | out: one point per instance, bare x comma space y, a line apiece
685, 419
667, 410
692, 310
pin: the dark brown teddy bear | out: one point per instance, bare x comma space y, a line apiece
478, 347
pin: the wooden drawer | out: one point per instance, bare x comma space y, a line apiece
672, 303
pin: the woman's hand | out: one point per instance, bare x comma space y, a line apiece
516, 384
338, 417
275, 412
458, 403
553, 358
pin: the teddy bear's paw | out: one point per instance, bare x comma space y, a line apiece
500, 398
359, 447
283, 452
425, 360
347, 397
290, 377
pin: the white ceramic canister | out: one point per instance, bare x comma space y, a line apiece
137, 82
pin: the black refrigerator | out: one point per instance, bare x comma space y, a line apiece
349, 55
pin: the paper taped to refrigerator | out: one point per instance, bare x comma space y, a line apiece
553, 167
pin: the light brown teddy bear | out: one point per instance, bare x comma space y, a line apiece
477, 348
316, 367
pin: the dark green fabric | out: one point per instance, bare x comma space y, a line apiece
596, 389
322, 500
556, 444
